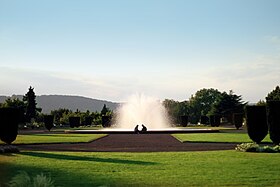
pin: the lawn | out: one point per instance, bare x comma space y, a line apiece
233, 137
55, 138
209, 168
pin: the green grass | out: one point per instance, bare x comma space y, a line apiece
55, 138
210, 168
235, 137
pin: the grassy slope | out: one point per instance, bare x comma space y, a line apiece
55, 138
216, 137
212, 168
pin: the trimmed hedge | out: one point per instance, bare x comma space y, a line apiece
273, 115
106, 121
215, 120
88, 121
204, 120
238, 120
9, 120
184, 120
256, 121
48, 120
74, 122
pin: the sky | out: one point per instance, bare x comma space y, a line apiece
167, 49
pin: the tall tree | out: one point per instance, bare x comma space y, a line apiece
105, 110
274, 95
30, 100
175, 109
227, 105
201, 103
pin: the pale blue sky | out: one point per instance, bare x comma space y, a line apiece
111, 49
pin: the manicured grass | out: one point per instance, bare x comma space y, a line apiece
210, 168
217, 137
55, 138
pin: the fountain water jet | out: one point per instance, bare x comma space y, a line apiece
140, 109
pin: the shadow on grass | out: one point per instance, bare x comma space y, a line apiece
84, 158
58, 135
61, 177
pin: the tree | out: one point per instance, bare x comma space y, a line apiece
175, 109
30, 101
105, 110
227, 105
201, 103
274, 95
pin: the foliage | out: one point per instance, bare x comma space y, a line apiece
22, 179
48, 120
274, 95
9, 120
261, 103
201, 103
31, 110
256, 122
175, 109
273, 115
253, 147
105, 111
227, 105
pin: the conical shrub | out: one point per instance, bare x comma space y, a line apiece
273, 114
256, 122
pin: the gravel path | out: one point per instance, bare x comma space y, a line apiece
131, 143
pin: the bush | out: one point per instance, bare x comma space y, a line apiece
88, 121
74, 122
273, 111
204, 120
253, 147
238, 120
9, 120
22, 179
184, 120
256, 122
215, 120
106, 121
48, 120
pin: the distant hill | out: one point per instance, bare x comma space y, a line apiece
52, 102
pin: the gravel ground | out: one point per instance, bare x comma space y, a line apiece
131, 143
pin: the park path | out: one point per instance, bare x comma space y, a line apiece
131, 143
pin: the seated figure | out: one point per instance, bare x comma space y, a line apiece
144, 128
136, 129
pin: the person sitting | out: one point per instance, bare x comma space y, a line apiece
136, 130
144, 128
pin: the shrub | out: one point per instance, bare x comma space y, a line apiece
9, 120
184, 120
253, 147
48, 120
273, 111
256, 122
215, 120
238, 120
74, 122
88, 120
204, 120
22, 179
106, 121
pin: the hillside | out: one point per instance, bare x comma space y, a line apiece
52, 102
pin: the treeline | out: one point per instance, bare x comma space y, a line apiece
204, 104
31, 116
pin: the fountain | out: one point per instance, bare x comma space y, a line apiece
140, 109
